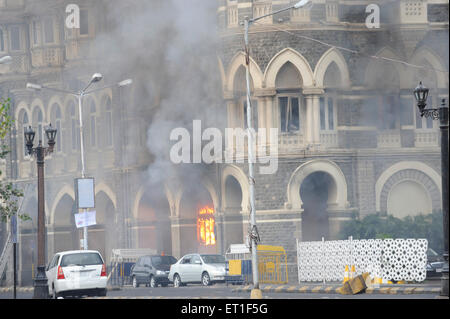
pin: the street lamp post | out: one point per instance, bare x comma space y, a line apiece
40, 280
421, 94
97, 77
253, 232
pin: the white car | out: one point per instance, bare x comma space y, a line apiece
198, 268
77, 273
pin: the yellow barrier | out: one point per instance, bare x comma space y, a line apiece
272, 264
235, 267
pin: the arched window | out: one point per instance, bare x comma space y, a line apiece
56, 121
328, 102
24, 125
290, 102
74, 126
48, 30
108, 122
240, 93
2, 41
93, 122
38, 122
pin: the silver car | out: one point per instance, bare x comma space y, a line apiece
198, 268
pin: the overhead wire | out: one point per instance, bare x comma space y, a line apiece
352, 51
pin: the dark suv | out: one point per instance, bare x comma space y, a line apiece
152, 270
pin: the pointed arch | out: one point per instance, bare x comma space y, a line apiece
435, 61
255, 72
381, 73
332, 55
236, 172
223, 76
65, 190
21, 108
288, 55
102, 187
141, 192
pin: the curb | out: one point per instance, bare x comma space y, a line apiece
31, 289
336, 289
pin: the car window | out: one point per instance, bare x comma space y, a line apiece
54, 262
163, 260
195, 259
213, 259
81, 259
146, 261
186, 260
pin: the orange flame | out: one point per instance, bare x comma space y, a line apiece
205, 226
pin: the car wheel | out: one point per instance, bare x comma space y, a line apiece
153, 283
135, 282
177, 281
206, 281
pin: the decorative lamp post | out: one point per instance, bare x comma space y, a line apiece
40, 280
96, 77
421, 95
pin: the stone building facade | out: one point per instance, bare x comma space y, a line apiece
350, 141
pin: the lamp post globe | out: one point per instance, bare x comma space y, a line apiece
421, 95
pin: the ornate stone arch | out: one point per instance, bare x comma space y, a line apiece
140, 193
338, 197
22, 107
223, 76
102, 187
238, 61
373, 69
238, 174
288, 55
435, 61
332, 55
404, 166
65, 190
37, 103
207, 184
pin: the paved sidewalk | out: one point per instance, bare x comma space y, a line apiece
392, 289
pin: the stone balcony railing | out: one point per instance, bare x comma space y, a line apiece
328, 139
426, 138
387, 139
290, 142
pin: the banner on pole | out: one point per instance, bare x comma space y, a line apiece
85, 219
84, 192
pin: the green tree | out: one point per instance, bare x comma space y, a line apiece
380, 226
8, 193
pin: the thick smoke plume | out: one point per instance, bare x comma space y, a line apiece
169, 49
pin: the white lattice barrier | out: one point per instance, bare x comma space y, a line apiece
390, 259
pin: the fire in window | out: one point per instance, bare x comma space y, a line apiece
205, 226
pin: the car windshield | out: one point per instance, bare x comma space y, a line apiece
163, 260
81, 259
213, 259
432, 253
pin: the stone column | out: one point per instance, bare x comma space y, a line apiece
176, 237
266, 110
312, 125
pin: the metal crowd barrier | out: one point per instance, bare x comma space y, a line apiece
272, 264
